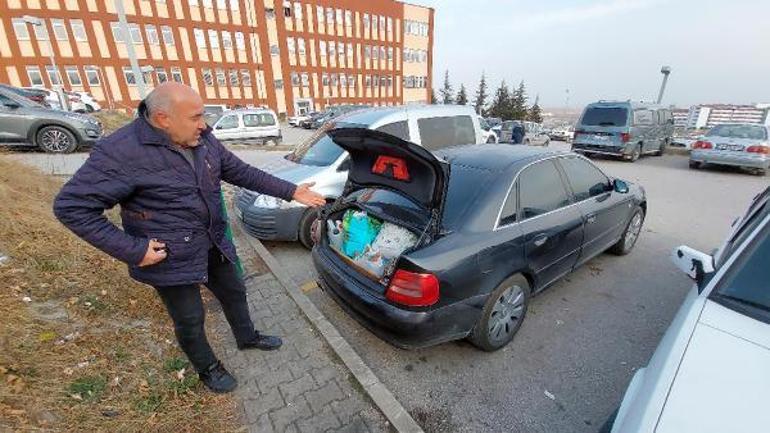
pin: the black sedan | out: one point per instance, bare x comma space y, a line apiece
424, 248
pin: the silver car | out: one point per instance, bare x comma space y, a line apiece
27, 123
322, 161
260, 125
740, 145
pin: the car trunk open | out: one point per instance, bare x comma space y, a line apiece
391, 205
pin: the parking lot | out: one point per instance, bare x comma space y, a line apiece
568, 367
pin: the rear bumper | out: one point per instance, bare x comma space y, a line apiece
601, 149
400, 327
736, 159
271, 224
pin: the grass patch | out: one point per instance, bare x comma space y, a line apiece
149, 404
112, 119
89, 388
174, 364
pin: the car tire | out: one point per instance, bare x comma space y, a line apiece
56, 139
502, 315
305, 226
761, 172
631, 233
695, 165
491, 140
89, 108
636, 153
661, 149
269, 142
607, 426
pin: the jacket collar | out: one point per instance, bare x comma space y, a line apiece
148, 134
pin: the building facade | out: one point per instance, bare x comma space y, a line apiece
710, 115
292, 56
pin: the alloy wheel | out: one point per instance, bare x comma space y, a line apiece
507, 312
55, 140
633, 230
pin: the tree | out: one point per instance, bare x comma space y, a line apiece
535, 113
433, 97
518, 107
446, 91
481, 96
501, 102
462, 98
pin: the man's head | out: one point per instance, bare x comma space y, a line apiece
177, 110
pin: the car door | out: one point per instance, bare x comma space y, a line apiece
228, 127
15, 121
259, 125
605, 212
551, 228
440, 132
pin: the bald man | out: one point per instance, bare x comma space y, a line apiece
165, 169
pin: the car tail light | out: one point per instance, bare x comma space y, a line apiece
625, 137
700, 144
765, 150
413, 289
392, 167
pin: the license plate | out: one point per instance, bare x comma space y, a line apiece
601, 138
733, 147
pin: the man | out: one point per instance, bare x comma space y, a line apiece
164, 169
517, 133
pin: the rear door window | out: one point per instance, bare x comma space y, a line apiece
439, 132
396, 129
258, 119
605, 116
585, 179
643, 117
228, 122
541, 190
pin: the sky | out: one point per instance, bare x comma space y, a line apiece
719, 51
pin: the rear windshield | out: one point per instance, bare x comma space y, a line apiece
754, 132
605, 116
319, 151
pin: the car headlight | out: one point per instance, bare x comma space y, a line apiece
270, 202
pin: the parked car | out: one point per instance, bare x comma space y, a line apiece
623, 128
299, 118
334, 112
533, 133
489, 135
321, 161
739, 145
212, 112
562, 133
35, 95
90, 104
494, 121
710, 372
307, 123
24, 122
260, 125
51, 97
490, 227
75, 102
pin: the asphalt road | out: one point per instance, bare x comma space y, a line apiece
583, 338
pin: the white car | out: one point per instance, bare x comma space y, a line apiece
89, 102
258, 125
711, 371
294, 120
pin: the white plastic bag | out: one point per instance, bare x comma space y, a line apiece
392, 241
336, 237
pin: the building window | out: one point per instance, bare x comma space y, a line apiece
193, 3
390, 53
290, 45
375, 53
136, 33
129, 75
227, 40
222, 4
382, 53
325, 79
240, 41
348, 18
78, 30
235, 5
92, 75
161, 74
335, 80
270, 13
73, 75
338, 17
343, 80
332, 49
20, 28
168, 35
350, 50
374, 23
319, 12
368, 81
176, 75
152, 35
213, 39
278, 84
287, 9
53, 75
59, 30
208, 3
366, 22
234, 81
41, 32
367, 52
117, 33
382, 24
322, 48
298, 11
35, 78
245, 77
274, 50
200, 38
305, 79
301, 46
351, 81
330, 16
221, 80
208, 77
390, 24
295, 79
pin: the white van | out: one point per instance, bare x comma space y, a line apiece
321, 161
260, 125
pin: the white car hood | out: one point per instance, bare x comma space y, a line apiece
723, 382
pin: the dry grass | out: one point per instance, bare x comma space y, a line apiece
112, 119
82, 346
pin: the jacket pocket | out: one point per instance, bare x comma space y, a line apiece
181, 246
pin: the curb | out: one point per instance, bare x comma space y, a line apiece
398, 417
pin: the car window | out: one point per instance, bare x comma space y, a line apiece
585, 179
465, 185
541, 190
753, 217
643, 117
228, 122
755, 132
744, 286
396, 129
259, 119
509, 212
5, 100
439, 132
319, 151
604, 116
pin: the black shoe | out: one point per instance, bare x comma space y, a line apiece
262, 342
217, 379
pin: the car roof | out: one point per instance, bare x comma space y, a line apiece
250, 111
495, 157
632, 104
369, 117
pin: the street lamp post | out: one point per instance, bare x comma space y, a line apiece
130, 49
63, 101
666, 70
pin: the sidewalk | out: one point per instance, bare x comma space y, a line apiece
303, 387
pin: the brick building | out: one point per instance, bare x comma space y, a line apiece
289, 55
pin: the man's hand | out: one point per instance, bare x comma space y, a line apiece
306, 196
155, 253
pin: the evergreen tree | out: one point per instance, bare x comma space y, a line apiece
518, 106
462, 98
501, 103
481, 96
535, 113
446, 91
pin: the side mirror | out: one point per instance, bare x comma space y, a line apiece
620, 186
695, 264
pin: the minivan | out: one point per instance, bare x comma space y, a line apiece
625, 129
260, 125
322, 161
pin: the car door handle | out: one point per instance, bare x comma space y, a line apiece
591, 218
540, 240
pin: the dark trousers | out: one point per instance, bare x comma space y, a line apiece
185, 307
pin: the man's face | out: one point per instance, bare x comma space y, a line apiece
185, 123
